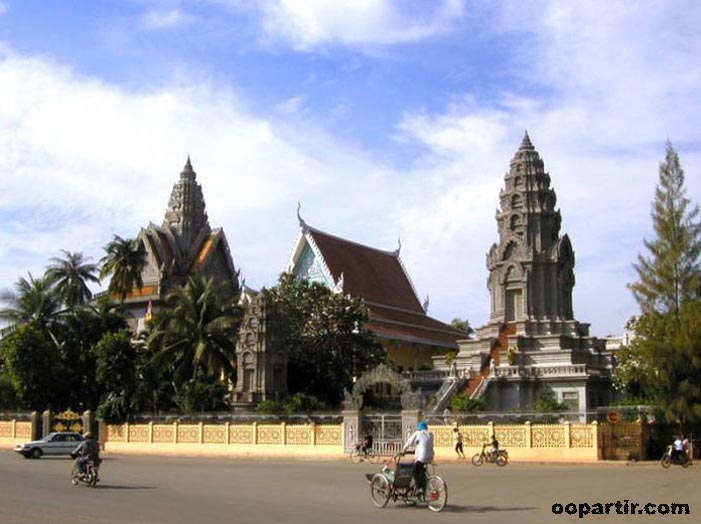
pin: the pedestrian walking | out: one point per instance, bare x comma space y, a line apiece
457, 440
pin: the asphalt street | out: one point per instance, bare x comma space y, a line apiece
174, 490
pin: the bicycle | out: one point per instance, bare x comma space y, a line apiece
396, 482
357, 455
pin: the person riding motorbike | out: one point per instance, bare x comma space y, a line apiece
677, 449
495, 447
422, 442
87, 450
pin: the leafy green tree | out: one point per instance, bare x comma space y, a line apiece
125, 260
547, 402
116, 371
76, 339
670, 274
70, 276
33, 301
663, 362
462, 403
8, 397
324, 337
193, 338
31, 362
462, 325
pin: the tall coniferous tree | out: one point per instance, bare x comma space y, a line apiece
670, 274
663, 362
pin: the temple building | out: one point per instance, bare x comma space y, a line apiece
397, 318
532, 341
183, 245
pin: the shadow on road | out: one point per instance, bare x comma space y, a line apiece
452, 508
107, 486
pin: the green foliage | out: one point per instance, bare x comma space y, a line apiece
8, 397
298, 403
31, 363
56, 365
671, 273
449, 357
462, 325
324, 336
547, 402
33, 301
191, 343
663, 362
462, 403
70, 276
125, 260
116, 368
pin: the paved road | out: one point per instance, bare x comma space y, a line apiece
157, 490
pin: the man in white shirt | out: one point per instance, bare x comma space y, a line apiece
422, 442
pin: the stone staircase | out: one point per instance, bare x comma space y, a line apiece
476, 385
445, 393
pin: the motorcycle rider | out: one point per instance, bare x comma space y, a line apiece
495, 447
422, 441
86, 451
677, 449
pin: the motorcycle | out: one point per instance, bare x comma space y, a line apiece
680, 459
500, 458
90, 477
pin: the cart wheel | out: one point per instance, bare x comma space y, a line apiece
380, 490
436, 494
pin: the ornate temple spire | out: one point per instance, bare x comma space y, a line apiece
186, 213
526, 143
531, 267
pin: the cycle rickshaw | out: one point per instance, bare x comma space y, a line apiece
396, 482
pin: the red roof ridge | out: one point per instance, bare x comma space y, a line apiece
392, 253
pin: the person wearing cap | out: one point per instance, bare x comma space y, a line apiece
87, 450
422, 442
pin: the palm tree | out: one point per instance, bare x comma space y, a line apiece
33, 300
70, 276
195, 334
125, 260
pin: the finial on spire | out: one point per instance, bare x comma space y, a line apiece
302, 223
526, 142
425, 304
399, 247
188, 167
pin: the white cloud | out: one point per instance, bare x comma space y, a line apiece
308, 24
158, 19
616, 90
82, 160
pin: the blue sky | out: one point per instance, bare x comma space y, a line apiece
385, 119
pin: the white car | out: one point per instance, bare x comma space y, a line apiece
52, 444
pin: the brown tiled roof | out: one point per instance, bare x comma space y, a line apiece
376, 276
379, 278
413, 327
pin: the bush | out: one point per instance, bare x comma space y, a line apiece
462, 403
299, 403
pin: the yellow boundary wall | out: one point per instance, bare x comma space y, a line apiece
525, 442
14, 432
